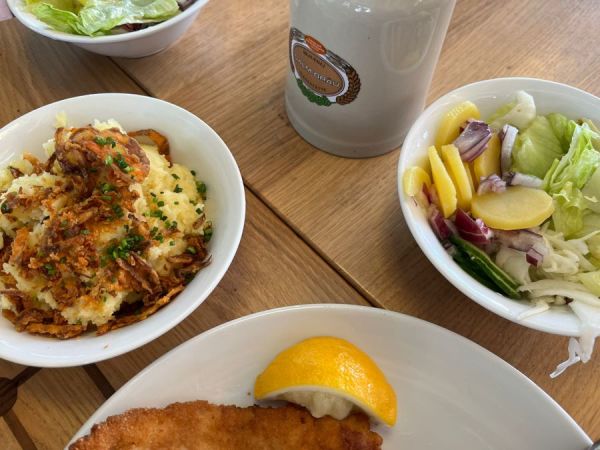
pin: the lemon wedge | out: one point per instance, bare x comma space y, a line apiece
328, 376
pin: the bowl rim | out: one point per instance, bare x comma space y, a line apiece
30, 21
43, 359
480, 294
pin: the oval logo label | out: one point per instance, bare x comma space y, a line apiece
323, 76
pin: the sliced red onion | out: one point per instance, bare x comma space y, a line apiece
534, 257
473, 140
493, 183
521, 179
508, 135
474, 231
438, 223
522, 240
477, 150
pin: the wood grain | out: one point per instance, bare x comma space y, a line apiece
348, 210
7, 439
54, 404
35, 71
273, 268
9, 369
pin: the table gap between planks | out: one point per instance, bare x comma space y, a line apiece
229, 69
273, 267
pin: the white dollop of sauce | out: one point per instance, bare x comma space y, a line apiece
320, 403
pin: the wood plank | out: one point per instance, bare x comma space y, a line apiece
348, 210
54, 403
7, 439
9, 369
35, 71
273, 268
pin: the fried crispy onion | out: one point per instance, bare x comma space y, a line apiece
96, 199
154, 137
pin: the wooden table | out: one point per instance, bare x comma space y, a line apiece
319, 228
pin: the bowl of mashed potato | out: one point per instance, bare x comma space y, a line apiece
119, 214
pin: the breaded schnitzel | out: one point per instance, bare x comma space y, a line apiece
201, 425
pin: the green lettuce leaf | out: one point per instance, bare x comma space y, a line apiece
562, 130
572, 182
594, 128
569, 210
99, 17
58, 19
518, 113
577, 165
536, 148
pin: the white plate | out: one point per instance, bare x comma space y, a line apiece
194, 144
488, 95
452, 394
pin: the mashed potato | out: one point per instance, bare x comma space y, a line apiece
102, 235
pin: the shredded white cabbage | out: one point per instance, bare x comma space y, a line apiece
558, 279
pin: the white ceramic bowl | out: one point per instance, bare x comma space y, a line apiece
135, 44
194, 144
489, 95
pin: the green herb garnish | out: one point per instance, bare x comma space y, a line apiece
131, 242
118, 210
50, 269
105, 141
106, 187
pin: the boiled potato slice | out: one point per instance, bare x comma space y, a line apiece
516, 208
460, 178
414, 179
469, 170
443, 183
452, 121
488, 162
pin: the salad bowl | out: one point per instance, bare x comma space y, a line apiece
134, 44
489, 95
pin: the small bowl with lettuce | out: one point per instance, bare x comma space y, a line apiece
499, 183
122, 28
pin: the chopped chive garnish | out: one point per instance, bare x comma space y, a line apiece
174, 175
108, 160
201, 187
208, 232
50, 269
177, 189
106, 187
105, 141
161, 204
118, 210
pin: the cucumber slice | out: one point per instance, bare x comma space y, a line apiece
502, 281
